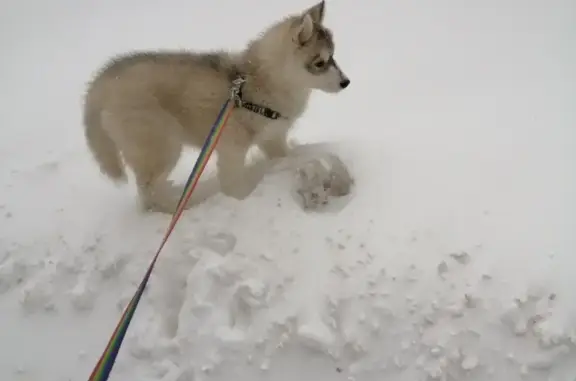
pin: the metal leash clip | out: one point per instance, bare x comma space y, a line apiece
235, 90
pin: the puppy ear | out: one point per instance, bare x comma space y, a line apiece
317, 12
305, 29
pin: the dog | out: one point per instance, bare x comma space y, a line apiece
141, 108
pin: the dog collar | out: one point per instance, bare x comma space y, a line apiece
264, 111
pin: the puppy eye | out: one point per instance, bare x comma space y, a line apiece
320, 64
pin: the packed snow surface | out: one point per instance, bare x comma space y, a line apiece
453, 258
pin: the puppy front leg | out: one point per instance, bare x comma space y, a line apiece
236, 179
275, 147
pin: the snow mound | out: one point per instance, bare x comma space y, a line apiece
450, 259
344, 301
320, 181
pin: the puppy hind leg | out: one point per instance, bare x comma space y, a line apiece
155, 191
152, 149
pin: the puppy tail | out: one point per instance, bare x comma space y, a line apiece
103, 148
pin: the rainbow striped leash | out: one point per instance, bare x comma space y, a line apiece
104, 366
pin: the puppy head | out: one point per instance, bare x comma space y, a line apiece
302, 48
314, 51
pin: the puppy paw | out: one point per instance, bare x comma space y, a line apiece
243, 186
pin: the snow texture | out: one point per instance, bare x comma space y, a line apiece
450, 257
319, 181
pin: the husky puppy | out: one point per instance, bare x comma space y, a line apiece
142, 107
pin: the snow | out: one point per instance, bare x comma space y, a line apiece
452, 260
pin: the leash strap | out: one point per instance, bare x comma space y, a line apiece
104, 366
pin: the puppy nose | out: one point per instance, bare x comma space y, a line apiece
344, 83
